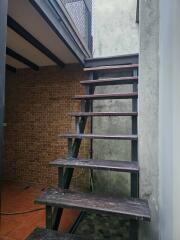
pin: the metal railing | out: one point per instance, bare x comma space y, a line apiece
80, 12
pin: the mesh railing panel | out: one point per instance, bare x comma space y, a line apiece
81, 15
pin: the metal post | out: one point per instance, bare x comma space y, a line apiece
91, 91
60, 177
3, 30
133, 233
134, 145
48, 217
70, 143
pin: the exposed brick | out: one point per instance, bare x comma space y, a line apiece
37, 104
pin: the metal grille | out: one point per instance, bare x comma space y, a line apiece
80, 12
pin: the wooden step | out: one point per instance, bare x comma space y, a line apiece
111, 81
97, 136
128, 207
107, 96
111, 165
128, 67
46, 234
103, 114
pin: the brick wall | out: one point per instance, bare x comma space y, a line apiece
37, 104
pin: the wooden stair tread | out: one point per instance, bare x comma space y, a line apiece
46, 234
111, 81
107, 96
98, 136
102, 114
129, 207
112, 165
112, 68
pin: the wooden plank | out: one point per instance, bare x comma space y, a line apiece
97, 136
112, 68
111, 165
107, 96
46, 234
103, 114
111, 81
126, 207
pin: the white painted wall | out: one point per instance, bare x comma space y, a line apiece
169, 120
159, 116
115, 31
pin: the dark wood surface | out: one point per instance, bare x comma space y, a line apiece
111, 81
112, 68
45, 234
128, 207
97, 136
107, 96
112, 165
102, 114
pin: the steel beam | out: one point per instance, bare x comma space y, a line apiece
10, 68
33, 41
109, 61
21, 59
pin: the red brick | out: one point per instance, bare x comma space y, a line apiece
37, 104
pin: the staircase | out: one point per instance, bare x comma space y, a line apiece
57, 198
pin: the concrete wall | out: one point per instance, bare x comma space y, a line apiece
115, 31
148, 113
109, 41
112, 150
159, 98
159, 129
169, 93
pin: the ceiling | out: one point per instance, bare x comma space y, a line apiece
28, 17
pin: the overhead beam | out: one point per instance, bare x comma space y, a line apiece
21, 59
32, 40
10, 68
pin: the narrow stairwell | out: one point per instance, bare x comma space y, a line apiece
57, 198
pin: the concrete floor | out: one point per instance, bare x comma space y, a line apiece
18, 197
